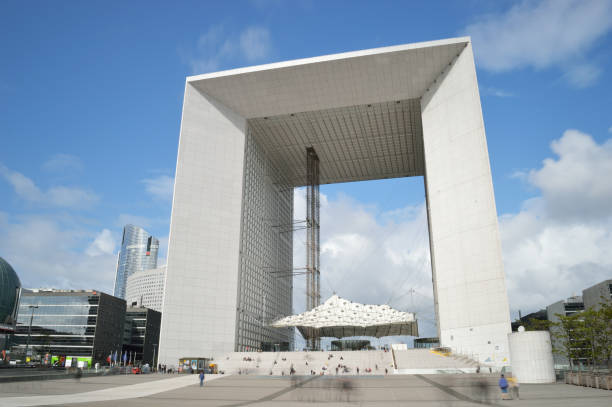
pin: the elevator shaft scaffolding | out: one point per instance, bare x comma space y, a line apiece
313, 285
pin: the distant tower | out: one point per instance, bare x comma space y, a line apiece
138, 253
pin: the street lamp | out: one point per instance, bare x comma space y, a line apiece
32, 307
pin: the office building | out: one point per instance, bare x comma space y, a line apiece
69, 326
566, 308
138, 253
141, 334
595, 295
401, 111
146, 288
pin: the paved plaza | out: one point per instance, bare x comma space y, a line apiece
393, 390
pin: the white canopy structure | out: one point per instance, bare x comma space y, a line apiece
340, 318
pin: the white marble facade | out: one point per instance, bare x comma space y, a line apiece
408, 110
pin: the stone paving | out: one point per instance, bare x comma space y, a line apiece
66, 385
92, 389
393, 390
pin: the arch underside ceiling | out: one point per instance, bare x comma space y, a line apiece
354, 143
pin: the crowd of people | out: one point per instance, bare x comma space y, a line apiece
332, 363
164, 369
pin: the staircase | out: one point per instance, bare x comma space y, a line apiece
427, 361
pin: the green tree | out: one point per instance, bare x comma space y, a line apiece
570, 337
605, 334
534, 324
586, 335
589, 332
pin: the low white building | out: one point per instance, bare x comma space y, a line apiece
146, 288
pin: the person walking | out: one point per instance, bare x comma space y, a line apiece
514, 387
503, 386
201, 378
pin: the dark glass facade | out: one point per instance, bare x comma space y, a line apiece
10, 287
141, 333
350, 344
69, 323
9, 296
426, 343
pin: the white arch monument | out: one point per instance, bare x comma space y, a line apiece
400, 111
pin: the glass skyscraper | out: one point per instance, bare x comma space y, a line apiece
138, 253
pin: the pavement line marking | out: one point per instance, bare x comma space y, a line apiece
454, 393
129, 391
272, 396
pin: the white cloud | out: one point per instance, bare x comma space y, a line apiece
576, 185
70, 197
161, 187
255, 43
24, 187
61, 196
104, 243
216, 48
541, 35
48, 252
63, 162
370, 256
582, 75
555, 246
500, 93
520, 174
559, 243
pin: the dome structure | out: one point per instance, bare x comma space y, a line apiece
9, 295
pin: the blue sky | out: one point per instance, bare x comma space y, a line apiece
91, 98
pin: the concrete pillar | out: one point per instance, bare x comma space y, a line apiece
468, 275
199, 310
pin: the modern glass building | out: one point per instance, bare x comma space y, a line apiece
69, 325
138, 253
141, 334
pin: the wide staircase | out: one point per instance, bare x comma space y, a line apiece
306, 363
430, 361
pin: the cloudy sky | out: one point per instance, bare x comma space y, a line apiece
90, 105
